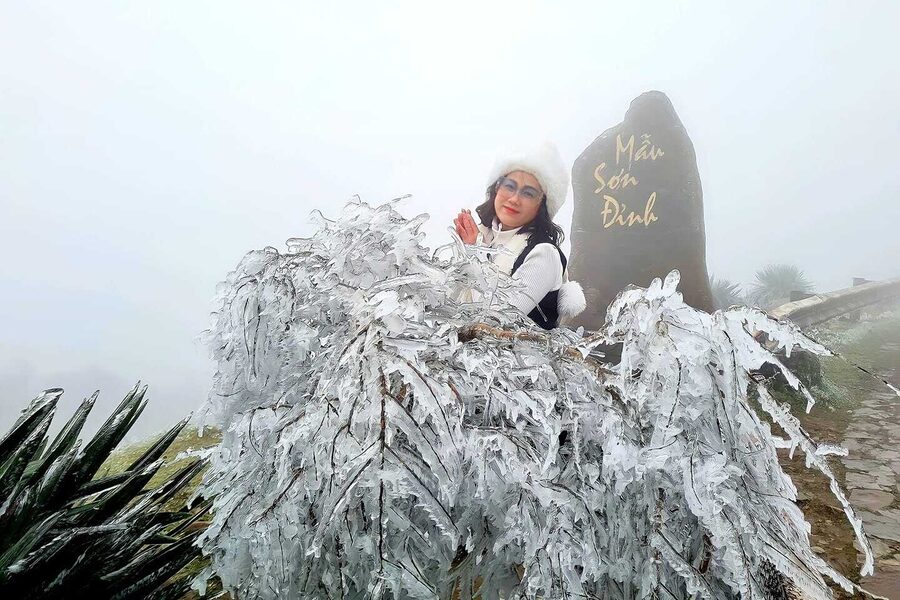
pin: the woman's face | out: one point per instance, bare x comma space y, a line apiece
513, 207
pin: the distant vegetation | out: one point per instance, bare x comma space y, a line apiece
772, 287
775, 282
725, 293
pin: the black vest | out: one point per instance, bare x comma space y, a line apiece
546, 313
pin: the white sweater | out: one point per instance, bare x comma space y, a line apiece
540, 273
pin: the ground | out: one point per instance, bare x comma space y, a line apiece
861, 413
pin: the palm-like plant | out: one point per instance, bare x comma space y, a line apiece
774, 284
725, 293
65, 534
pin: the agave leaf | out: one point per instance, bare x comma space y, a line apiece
14, 466
202, 510
45, 553
49, 485
115, 500
167, 517
35, 462
100, 485
126, 402
90, 552
68, 436
61, 534
162, 538
150, 570
75, 558
27, 420
24, 545
172, 485
109, 435
162, 444
75, 513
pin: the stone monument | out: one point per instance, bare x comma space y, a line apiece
638, 210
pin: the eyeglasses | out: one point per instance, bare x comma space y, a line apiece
509, 187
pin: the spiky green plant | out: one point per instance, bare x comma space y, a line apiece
65, 534
725, 293
774, 284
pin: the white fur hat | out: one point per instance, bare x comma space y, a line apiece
545, 163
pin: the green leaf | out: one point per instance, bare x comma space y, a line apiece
175, 483
68, 436
150, 570
156, 450
101, 485
18, 550
14, 466
26, 422
49, 486
109, 435
115, 500
61, 534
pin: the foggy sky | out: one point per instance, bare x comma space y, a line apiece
145, 147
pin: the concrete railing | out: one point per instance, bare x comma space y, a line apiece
821, 307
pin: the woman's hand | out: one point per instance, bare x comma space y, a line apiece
466, 228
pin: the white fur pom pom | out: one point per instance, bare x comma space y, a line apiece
571, 299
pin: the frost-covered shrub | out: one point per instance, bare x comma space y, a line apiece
383, 440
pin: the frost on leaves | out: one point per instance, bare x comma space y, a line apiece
378, 442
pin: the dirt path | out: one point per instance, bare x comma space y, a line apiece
868, 425
873, 471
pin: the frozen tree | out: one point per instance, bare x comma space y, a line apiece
381, 439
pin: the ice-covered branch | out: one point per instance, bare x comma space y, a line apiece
383, 439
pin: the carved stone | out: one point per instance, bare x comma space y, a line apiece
638, 210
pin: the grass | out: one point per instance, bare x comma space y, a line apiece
871, 344
189, 440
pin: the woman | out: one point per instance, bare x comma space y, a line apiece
525, 190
